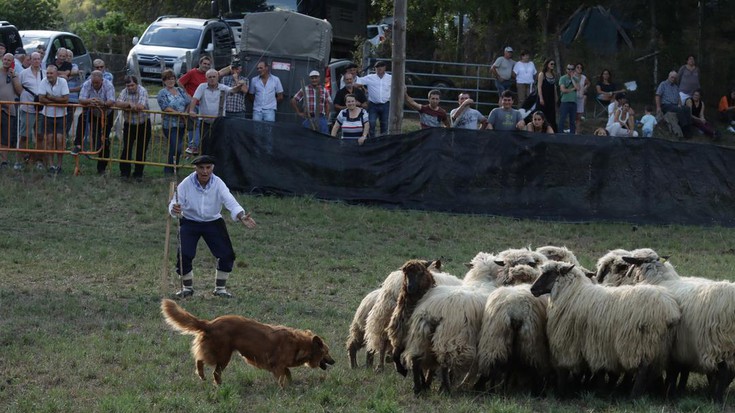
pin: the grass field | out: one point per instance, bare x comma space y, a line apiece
81, 266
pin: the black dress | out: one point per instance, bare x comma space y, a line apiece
548, 86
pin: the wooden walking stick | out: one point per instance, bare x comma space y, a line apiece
166, 247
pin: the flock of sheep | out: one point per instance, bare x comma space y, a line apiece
531, 320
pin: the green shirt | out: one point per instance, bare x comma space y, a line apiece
571, 96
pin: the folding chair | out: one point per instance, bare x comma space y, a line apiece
600, 109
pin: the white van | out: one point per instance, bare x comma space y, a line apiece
168, 39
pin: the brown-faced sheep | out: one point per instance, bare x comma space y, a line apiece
705, 338
417, 280
356, 340
445, 325
620, 330
381, 313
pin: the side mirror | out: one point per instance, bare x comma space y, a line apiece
209, 48
135, 40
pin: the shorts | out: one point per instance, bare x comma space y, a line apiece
27, 122
8, 131
53, 125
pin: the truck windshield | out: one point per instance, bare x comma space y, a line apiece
169, 36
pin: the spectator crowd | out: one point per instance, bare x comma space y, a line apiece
548, 100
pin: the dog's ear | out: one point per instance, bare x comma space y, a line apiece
317, 342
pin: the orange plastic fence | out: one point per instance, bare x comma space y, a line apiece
22, 134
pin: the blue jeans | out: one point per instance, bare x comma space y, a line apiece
321, 123
503, 85
266, 115
175, 136
568, 110
378, 111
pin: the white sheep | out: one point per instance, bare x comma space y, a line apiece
562, 254
512, 342
518, 266
705, 338
612, 268
626, 329
379, 317
445, 326
356, 340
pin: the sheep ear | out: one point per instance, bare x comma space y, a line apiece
469, 265
565, 269
664, 258
426, 263
632, 260
601, 275
500, 263
437, 264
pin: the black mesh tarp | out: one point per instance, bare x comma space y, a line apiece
575, 178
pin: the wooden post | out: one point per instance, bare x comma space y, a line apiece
398, 67
166, 248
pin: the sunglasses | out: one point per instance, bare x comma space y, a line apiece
570, 68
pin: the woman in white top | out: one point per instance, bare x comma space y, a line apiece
624, 121
584, 82
353, 121
525, 72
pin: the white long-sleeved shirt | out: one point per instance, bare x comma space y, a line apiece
378, 87
204, 204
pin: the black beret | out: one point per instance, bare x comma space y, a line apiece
204, 159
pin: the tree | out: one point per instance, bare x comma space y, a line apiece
32, 14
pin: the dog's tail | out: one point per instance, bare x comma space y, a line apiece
181, 320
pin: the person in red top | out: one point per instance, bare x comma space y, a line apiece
431, 115
190, 82
195, 77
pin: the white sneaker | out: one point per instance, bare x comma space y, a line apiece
730, 129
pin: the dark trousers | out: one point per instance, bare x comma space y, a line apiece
205, 141
135, 138
215, 235
568, 110
378, 111
97, 125
175, 137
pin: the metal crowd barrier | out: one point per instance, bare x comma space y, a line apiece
101, 136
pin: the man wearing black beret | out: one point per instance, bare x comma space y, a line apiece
198, 204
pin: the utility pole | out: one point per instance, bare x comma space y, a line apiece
399, 67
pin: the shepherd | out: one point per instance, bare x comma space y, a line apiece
198, 206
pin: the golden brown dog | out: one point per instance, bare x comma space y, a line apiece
268, 347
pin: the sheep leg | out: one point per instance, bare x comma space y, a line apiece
381, 356
428, 378
672, 373
418, 376
481, 382
445, 386
400, 368
641, 381
562, 381
352, 351
722, 379
369, 358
